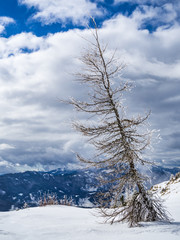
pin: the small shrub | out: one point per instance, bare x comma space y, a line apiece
52, 199
48, 199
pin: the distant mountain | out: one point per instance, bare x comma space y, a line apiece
158, 174
79, 185
18, 188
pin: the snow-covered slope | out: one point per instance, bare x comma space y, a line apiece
70, 223
170, 193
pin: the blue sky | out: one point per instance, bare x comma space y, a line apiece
39, 45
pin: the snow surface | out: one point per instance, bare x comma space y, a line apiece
71, 223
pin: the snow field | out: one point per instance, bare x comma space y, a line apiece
71, 223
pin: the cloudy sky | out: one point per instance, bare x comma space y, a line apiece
40, 42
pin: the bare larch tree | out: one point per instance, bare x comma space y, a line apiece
118, 140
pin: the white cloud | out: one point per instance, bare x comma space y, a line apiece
8, 167
4, 21
134, 1
1, 28
154, 12
5, 146
155, 15
31, 83
145, 1
19, 43
50, 11
173, 99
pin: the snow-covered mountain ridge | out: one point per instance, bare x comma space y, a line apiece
79, 185
66, 223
